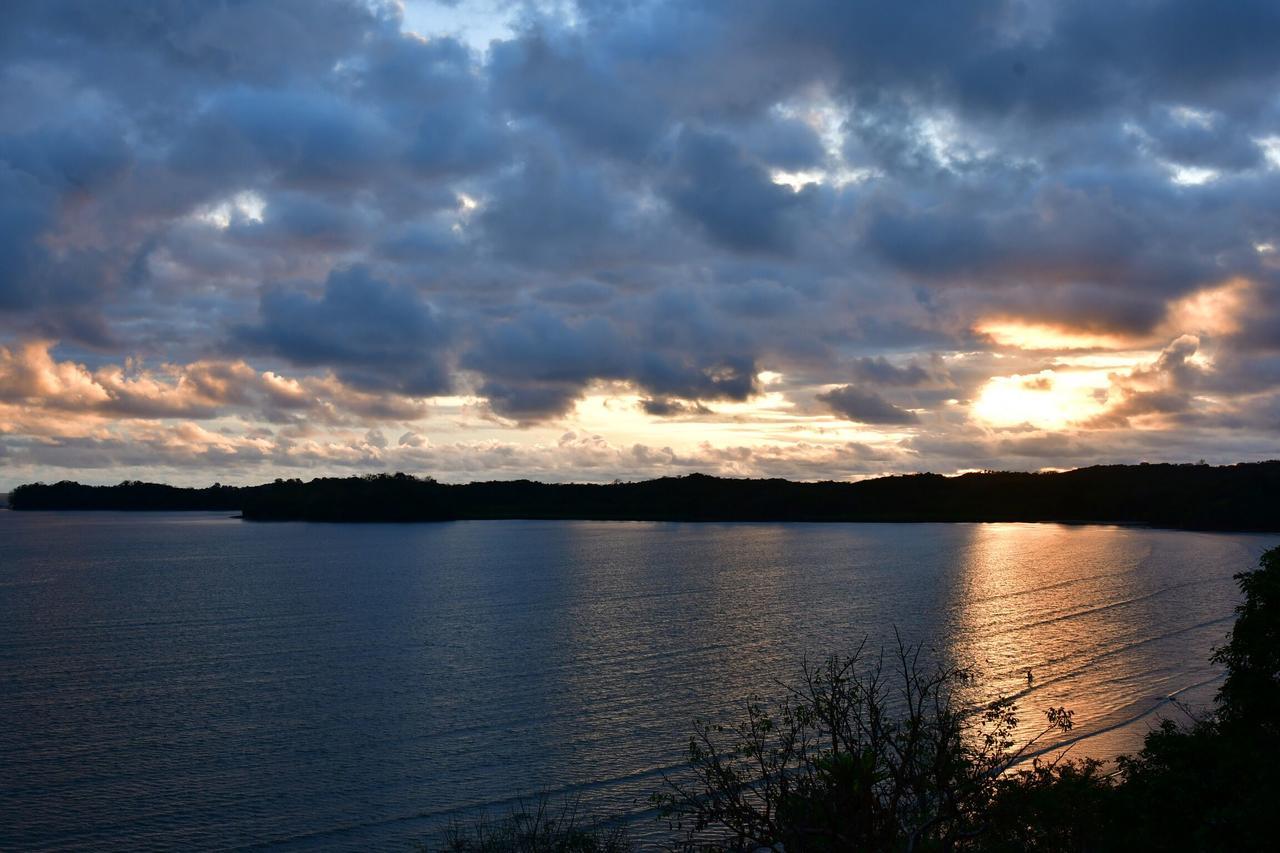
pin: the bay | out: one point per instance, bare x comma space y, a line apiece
191, 680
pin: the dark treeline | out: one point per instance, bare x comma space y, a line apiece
1232, 497
129, 495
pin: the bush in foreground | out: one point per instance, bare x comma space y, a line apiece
533, 828
1215, 785
863, 754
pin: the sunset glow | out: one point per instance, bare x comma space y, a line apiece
1039, 336
1050, 400
484, 240
424, 421
1217, 310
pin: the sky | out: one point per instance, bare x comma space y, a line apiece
618, 240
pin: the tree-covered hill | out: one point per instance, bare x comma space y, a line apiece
1231, 497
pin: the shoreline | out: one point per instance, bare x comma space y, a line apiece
1066, 522
1234, 498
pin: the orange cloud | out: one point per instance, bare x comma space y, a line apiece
1020, 334
1216, 310
42, 392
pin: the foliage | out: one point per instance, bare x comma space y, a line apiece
1057, 805
1250, 696
1215, 784
863, 755
536, 828
128, 495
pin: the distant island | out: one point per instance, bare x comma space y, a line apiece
1199, 497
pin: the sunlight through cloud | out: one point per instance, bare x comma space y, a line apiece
1050, 399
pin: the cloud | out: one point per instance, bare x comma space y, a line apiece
569, 82
553, 212
375, 335
880, 371
431, 89
40, 389
24, 213
299, 215
866, 407
666, 407
300, 139
538, 363
732, 198
1165, 387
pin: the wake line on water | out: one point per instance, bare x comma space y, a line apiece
487, 807
1047, 587
1168, 699
479, 809
1111, 653
1088, 611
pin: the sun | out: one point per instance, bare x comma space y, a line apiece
1050, 399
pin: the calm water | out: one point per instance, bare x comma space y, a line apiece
191, 680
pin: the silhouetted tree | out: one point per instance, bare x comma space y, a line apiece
864, 754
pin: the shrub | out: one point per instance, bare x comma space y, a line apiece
865, 754
536, 828
1214, 785
1057, 805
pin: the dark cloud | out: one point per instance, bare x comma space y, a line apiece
538, 363
181, 41
783, 143
1054, 446
430, 91
732, 198
532, 400
24, 213
1194, 138
299, 222
564, 79
375, 335
1165, 387
866, 407
299, 138
667, 407
881, 371
551, 211
71, 157
1082, 236
762, 299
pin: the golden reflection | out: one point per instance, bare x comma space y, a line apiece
1013, 584
1055, 615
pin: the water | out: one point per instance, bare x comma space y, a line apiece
189, 680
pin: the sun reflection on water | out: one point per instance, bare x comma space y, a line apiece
1039, 609
1090, 618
